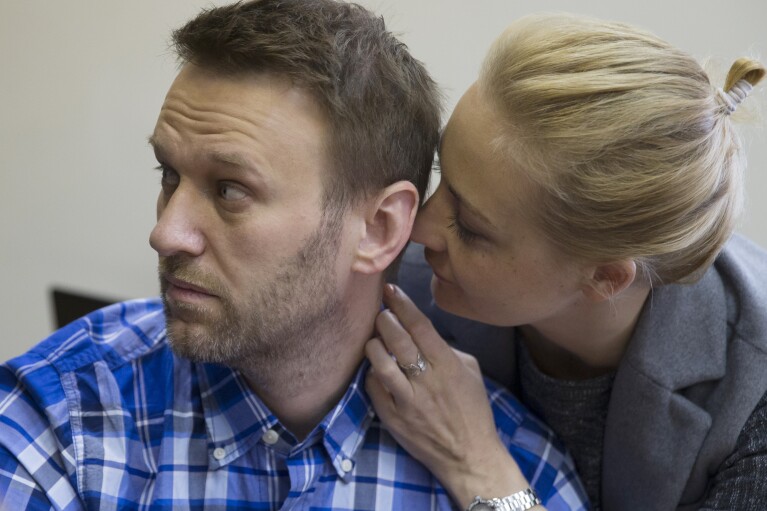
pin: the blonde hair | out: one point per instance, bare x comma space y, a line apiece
631, 148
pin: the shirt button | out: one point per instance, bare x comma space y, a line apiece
347, 465
270, 437
219, 453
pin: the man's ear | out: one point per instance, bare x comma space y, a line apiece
388, 222
608, 280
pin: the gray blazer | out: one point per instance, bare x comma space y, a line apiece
693, 373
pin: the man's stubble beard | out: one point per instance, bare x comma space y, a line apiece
281, 328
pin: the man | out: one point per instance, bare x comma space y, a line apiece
293, 146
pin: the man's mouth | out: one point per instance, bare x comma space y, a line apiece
181, 288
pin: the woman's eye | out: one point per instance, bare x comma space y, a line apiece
230, 192
464, 234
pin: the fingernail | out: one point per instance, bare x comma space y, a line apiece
391, 289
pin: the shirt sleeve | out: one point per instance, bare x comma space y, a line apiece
740, 481
33, 472
541, 457
18, 490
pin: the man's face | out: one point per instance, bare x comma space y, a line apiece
247, 254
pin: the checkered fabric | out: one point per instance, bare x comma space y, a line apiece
103, 416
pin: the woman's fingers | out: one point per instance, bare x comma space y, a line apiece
416, 324
387, 372
379, 394
396, 339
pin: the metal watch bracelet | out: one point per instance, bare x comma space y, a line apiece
520, 501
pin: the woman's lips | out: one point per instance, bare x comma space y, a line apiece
436, 272
440, 277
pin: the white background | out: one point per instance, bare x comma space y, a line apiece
81, 83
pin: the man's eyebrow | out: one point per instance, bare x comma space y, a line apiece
230, 158
157, 146
463, 204
226, 157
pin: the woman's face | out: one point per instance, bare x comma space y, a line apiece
490, 261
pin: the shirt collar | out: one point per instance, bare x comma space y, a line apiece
236, 418
346, 425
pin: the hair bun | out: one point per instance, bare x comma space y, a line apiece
732, 98
744, 74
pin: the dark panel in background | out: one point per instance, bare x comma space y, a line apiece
71, 305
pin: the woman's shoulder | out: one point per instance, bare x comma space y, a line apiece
737, 484
742, 268
745, 255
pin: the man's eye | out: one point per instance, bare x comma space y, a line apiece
169, 177
231, 192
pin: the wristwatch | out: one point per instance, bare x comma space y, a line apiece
520, 501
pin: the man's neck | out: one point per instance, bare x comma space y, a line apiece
301, 399
300, 393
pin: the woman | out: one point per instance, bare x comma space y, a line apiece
591, 179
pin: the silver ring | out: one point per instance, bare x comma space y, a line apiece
412, 370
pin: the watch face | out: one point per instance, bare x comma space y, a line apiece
482, 505
525, 499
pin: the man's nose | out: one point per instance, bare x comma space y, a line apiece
179, 225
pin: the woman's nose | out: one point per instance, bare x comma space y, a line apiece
431, 223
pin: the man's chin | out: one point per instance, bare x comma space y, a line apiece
192, 343
187, 330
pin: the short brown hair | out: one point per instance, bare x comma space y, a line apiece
382, 107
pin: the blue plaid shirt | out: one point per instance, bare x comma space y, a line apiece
103, 416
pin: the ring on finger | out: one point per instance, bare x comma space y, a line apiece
412, 370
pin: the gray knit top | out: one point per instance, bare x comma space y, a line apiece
577, 410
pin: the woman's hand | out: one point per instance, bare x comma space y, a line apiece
442, 415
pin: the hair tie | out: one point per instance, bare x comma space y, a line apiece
732, 98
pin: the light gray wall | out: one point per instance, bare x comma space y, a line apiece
81, 82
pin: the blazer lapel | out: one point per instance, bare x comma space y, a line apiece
653, 433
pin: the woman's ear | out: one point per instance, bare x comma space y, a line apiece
388, 221
608, 280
